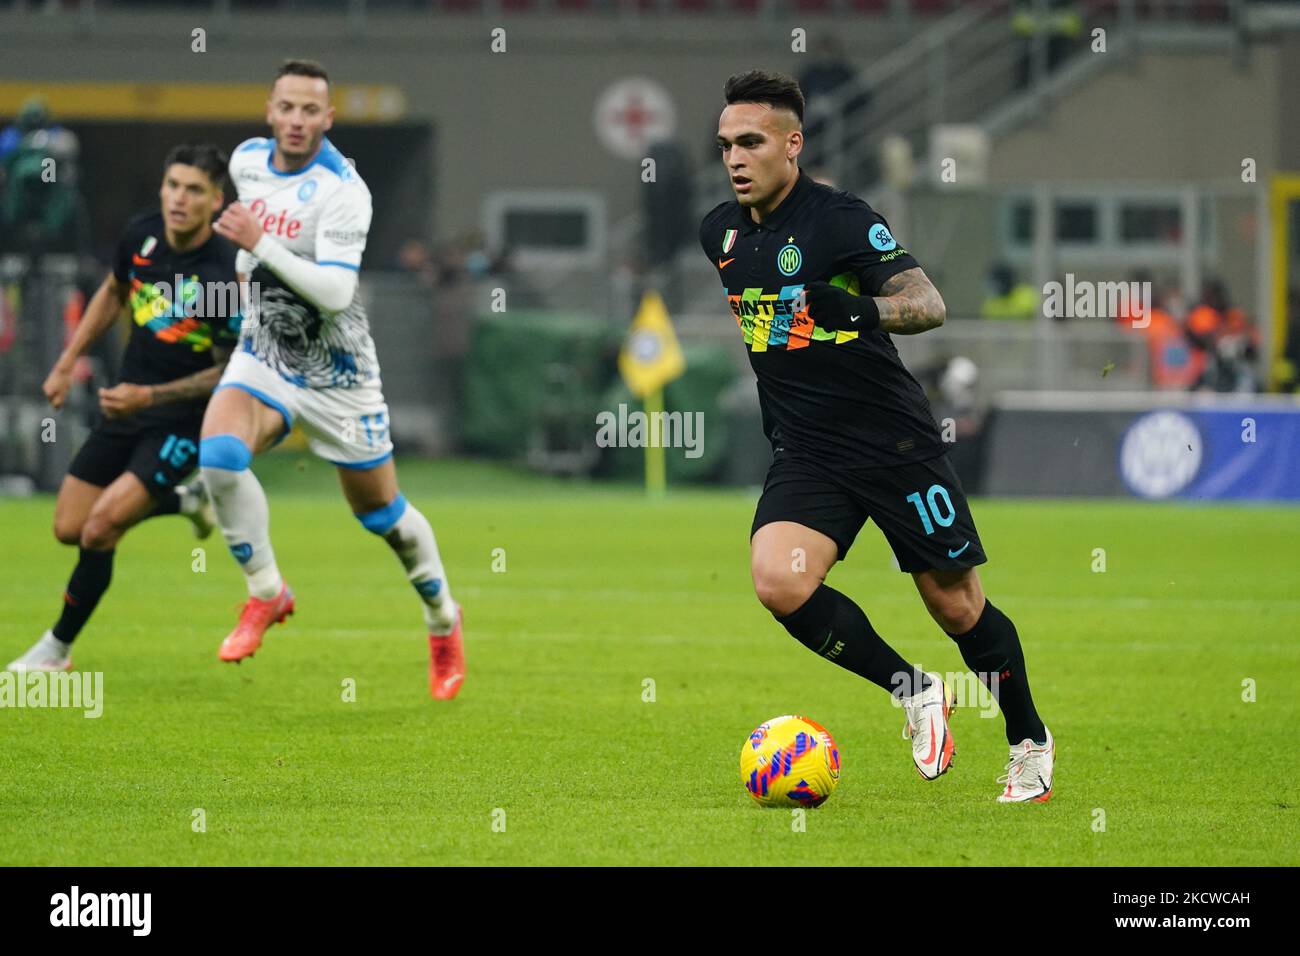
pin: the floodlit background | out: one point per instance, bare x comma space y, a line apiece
1010, 145
1038, 158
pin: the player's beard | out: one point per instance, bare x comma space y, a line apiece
301, 154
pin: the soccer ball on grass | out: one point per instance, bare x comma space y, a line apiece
790, 762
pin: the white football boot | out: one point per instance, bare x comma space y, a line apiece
47, 654
1029, 772
927, 725
196, 506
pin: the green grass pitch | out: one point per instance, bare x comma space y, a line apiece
1139, 672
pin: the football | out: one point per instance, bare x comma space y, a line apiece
790, 761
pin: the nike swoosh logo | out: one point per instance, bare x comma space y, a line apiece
854, 318
953, 554
723, 263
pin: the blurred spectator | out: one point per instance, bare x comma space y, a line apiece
416, 258
951, 387
40, 207
480, 261
1006, 298
667, 206
821, 81
1055, 23
1173, 363
459, 260
1227, 339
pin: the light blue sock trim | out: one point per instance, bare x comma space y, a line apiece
226, 452
381, 520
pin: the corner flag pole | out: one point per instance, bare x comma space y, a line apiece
655, 471
651, 358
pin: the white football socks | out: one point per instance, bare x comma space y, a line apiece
190, 501
242, 511
412, 540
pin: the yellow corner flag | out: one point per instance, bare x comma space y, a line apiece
651, 357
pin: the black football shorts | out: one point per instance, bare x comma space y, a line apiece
920, 507
159, 456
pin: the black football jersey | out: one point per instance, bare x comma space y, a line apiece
180, 304
844, 397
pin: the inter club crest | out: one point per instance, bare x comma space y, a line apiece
789, 259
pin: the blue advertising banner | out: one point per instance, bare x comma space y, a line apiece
1241, 453
1190, 447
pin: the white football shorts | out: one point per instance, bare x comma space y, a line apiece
347, 427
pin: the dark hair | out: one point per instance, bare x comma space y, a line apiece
202, 156
775, 89
301, 68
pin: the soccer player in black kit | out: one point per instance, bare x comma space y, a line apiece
148, 437
817, 284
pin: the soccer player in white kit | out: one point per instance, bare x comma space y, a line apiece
305, 354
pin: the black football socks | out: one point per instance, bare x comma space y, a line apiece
87, 585
992, 647
831, 625
166, 502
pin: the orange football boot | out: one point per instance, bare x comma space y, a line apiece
254, 619
447, 661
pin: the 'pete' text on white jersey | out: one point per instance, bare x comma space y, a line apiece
321, 212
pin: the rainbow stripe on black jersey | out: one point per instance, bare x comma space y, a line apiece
172, 322
770, 321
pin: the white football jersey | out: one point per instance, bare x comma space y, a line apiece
320, 212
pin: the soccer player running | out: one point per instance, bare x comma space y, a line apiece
817, 284
306, 354
148, 437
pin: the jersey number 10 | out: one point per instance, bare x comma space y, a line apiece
931, 500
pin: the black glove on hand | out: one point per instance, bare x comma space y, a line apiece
830, 307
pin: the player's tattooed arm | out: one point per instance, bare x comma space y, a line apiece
909, 303
198, 385
127, 398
